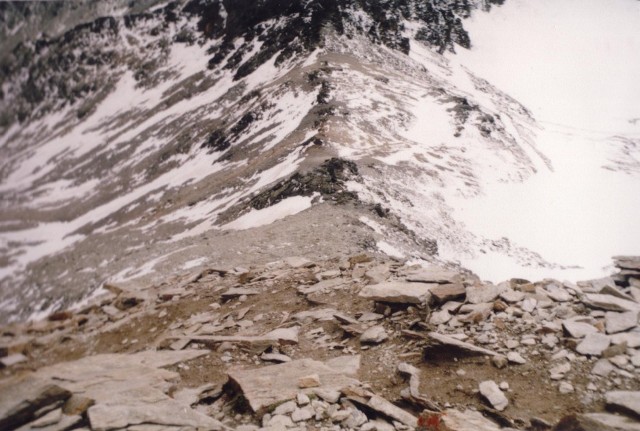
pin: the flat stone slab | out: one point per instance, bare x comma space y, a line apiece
434, 274
398, 292
22, 397
448, 292
281, 336
618, 322
578, 329
616, 422
627, 262
268, 386
628, 401
468, 420
609, 302
484, 293
593, 344
450, 341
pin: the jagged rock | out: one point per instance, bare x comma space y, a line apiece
580, 423
627, 401
616, 422
577, 329
447, 340
433, 274
398, 292
268, 386
618, 322
593, 344
303, 399
609, 302
448, 292
285, 408
22, 397
484, 293
374, 335
329, 395
380, 405
516, 358
492, 393
529, 304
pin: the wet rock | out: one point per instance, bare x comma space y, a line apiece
492, 393
618, 322
268, 386
626, 401
398, 292
593, 344
577, 329
374, 335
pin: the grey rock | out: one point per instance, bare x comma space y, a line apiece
370, 317
492, 393
298, 262
323, 315
484, 293
302, 399
322, 286
516, 358
355, 419
529, 304
275, 357
11, 360
609, 302
374, 335
627, 262
51, 418
303, 414
577, 329
236, 292
349, 365
469, 420
565, 388
433, 274
440, 317
631, 339
602, 368
627, 401
512, 296
461, 345
617, 422
398, 292
593, 344
285, 408
329, 395
557, 293
618, 322
280, 422
22, 397
267, 386
448, 292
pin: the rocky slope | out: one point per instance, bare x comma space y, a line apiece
147, 135
360, 343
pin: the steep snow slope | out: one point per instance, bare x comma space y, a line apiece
575, 64
152, 142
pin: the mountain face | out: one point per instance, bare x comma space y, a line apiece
156, 141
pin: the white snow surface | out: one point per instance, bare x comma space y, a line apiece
256, 218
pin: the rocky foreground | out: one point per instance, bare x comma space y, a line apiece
362, 343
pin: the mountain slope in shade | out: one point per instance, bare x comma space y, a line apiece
139, 145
